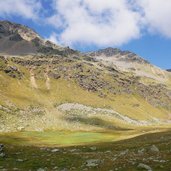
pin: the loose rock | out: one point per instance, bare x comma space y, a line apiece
144, 166
41, 169
93, 148
154, 149
92, 162
55, 150
2, 155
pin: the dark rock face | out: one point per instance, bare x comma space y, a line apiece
169, 70
17, 39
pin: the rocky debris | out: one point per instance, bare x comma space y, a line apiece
20, 160
144, 166
132, 57
141, 151
154, 148
74, 150
41, 169
123, 153
54, 75
20, 128
107, 52
157, 95
75, 111
91, 82
13, 72
92, 162
55, 150
93, 148
3, 108
90, 59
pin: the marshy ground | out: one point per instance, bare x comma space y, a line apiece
48, 151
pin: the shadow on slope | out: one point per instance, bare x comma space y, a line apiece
94, 121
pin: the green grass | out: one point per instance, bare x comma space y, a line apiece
58, 138
74, 157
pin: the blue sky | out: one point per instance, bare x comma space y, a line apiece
141, 26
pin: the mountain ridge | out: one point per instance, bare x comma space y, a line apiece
17, 39
24, 32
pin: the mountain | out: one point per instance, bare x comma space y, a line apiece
16, 39
48, 87
130, 62
169, 70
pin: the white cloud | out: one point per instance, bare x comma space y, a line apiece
24, 8
97, 22
157, 15
53, 38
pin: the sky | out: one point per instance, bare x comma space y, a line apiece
140, 26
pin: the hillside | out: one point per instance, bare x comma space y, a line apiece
64, 89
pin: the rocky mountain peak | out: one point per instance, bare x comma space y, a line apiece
8, 28
107, 52
118, 54
17, 39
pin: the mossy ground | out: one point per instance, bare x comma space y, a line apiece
121, 155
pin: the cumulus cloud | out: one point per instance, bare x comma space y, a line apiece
156, 14
97, 22
24, 8
53, 38
94, 22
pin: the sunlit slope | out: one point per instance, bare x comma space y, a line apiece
130, 62
31, 95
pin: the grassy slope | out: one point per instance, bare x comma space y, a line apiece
22, 95
19, 94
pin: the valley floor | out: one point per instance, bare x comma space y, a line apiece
48, 151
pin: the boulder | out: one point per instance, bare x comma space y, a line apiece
93, 148
144, 166
2, 155
55, 150
154, 149
92, 162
